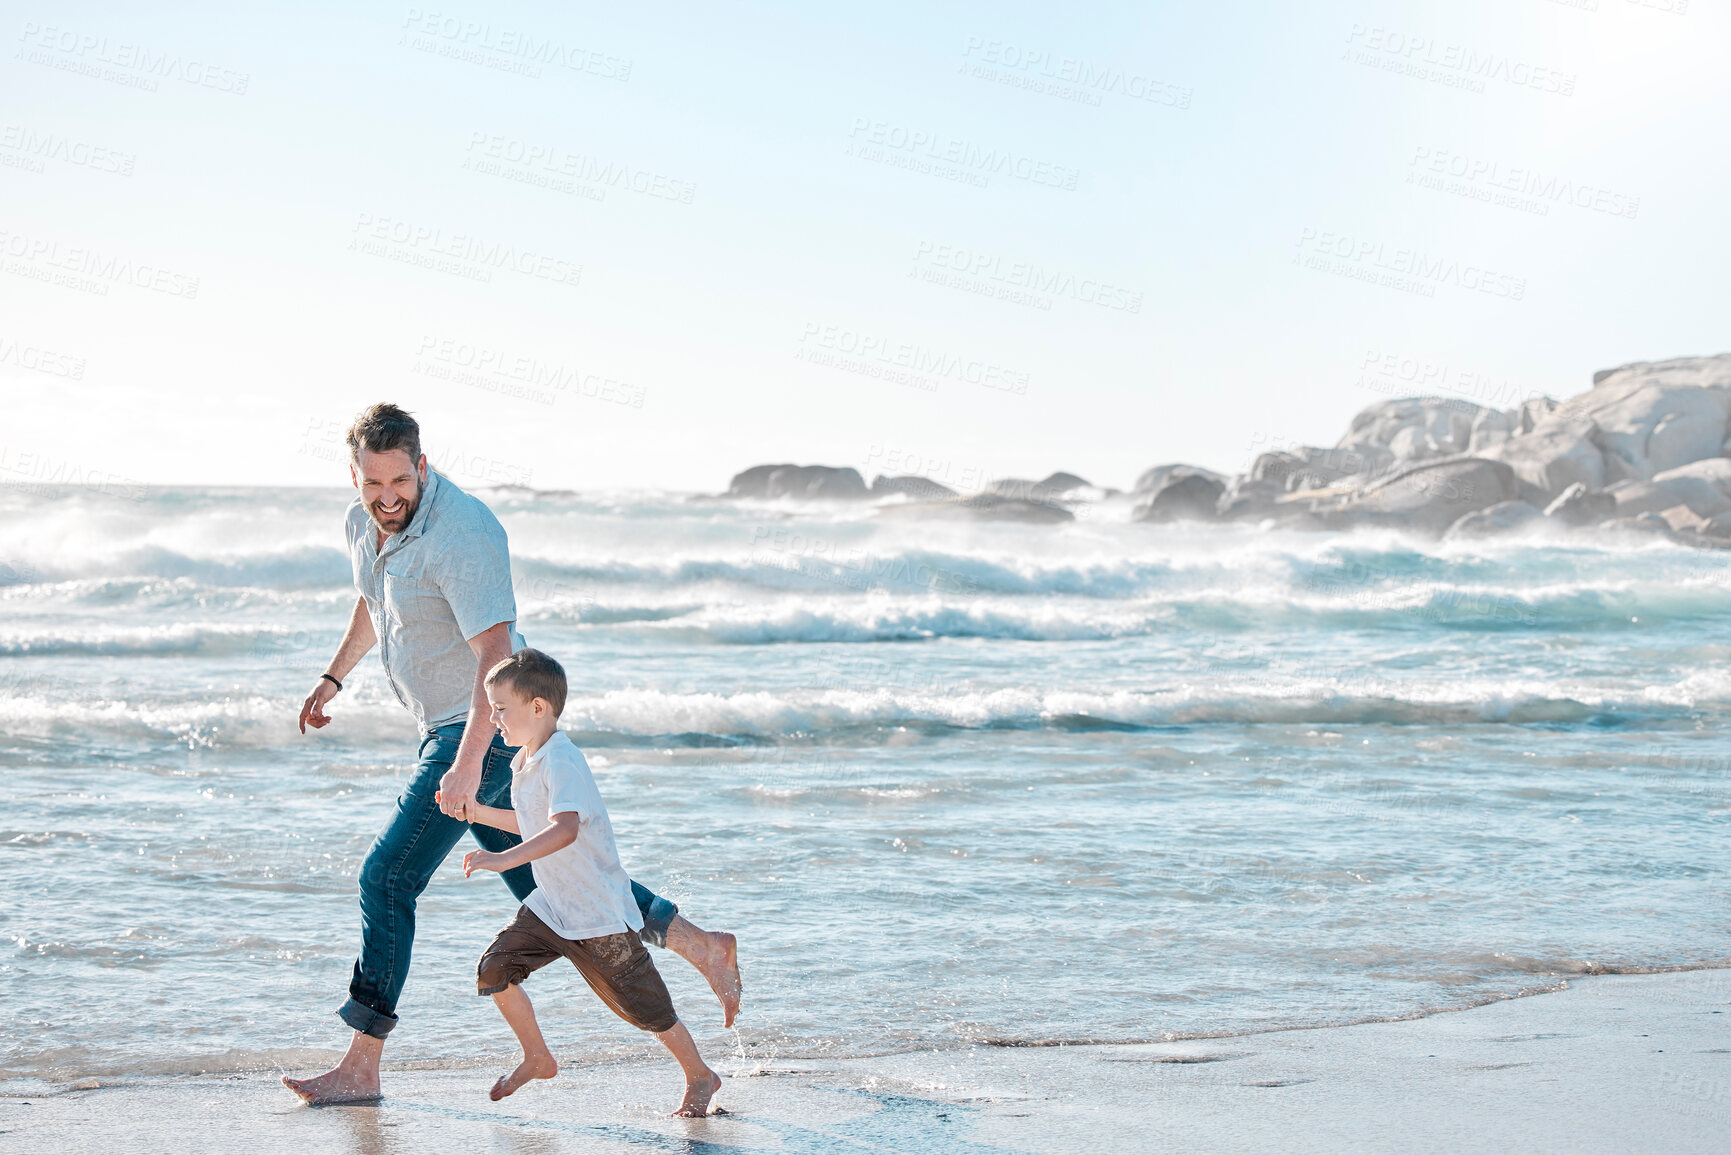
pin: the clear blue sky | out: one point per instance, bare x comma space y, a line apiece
1214, 225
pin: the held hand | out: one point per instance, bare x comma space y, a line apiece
456, 791
479, 860
313, 709
462, 814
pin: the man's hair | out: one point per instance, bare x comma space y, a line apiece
532, 674
383, 427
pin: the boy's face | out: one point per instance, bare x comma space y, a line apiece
517, 717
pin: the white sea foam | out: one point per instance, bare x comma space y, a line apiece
255, 721
769, 716
177, 639
885, 619
221, 722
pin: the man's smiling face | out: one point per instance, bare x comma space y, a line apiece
390, 486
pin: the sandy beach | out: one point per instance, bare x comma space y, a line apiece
1621, 1063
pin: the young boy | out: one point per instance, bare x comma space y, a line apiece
581, 907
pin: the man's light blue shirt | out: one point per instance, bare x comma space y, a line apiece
445, 578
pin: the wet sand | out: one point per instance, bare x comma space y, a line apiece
1615, 1064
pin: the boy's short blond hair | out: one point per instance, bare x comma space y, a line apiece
532, 674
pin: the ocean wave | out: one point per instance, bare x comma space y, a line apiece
253, 721
900, 621
886, 617
717, 617
543, 581
173, 640
625, 715
641, 717
176, 597
893, 571
298, 567
590, 570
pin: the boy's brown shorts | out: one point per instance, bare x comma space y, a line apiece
617, 967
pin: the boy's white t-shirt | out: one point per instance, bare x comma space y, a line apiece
581, 891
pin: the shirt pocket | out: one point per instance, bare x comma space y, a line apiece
411, 597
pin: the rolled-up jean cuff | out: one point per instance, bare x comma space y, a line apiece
366, 1020
656, 919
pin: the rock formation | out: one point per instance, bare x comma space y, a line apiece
983, 507
1054, 488
1495, 519
1578, 505
1038, 502
801, 481
912, 485
1644, 450
1178, 493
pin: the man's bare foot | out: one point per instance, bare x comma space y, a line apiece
337, 1085
541, 1066
353, 1080
715, 954
695, 1105
719, 967
723, 974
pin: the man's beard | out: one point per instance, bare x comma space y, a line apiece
399, 521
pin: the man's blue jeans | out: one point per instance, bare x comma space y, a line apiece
403, 859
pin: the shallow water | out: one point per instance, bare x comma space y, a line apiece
1023, 784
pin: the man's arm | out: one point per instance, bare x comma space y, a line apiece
561, 832
357, 640
457, 788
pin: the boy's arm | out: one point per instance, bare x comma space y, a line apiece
561, 832
494, 816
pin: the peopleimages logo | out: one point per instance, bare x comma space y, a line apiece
1404, 375
1402, 268
1012, 275
882, 141
458, 253
478, 468
86, 53
454, 36
896, 461
1085, 78
45, 146
558, 162
539, 379
44, 259
38, 473
41, 360
1426, 58
1430, 166
853, 566
904, 362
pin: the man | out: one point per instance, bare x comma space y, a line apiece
434, 574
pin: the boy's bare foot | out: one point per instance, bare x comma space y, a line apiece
337, 1085
541, 1066
695, 1105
